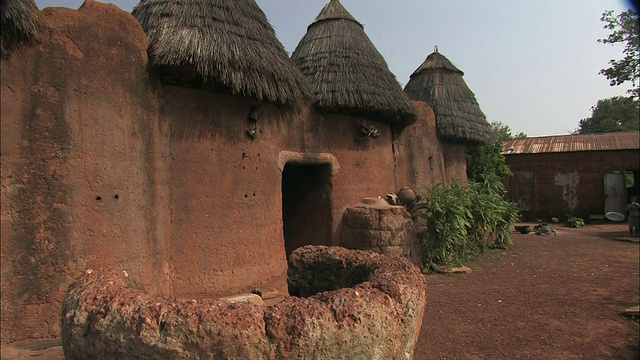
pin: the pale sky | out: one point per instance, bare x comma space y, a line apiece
533, 65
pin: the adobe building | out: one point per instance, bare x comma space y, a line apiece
188, 150
581, 175
460, 121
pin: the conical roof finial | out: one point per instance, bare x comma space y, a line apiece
346, 71
459, 118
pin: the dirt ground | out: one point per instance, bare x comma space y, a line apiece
549, 297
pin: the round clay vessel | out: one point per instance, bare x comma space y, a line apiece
406, 195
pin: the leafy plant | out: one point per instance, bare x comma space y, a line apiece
448, 216
575, 222
463, 221
487, 159
493, 216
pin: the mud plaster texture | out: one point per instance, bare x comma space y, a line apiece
80, 170
389, 230
104, 167
455, 162
354, 305
420, 155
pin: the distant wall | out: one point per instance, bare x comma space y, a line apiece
419, 152
82, 165
563, 181
455, 163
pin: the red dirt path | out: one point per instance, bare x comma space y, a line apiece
549, 297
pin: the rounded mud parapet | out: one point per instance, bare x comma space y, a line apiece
353, 305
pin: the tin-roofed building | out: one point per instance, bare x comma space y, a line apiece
581, 175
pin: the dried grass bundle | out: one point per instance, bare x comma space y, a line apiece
224, 45
20, 24
458, 116
346, 71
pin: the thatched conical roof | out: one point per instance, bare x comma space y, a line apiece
346, 71
458, 116
223, 45
19, 23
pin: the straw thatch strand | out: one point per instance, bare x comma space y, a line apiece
221, 45
458, 116
20, 24
346, 71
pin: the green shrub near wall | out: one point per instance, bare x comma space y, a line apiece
462, 222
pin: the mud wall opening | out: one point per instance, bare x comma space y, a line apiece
306, 205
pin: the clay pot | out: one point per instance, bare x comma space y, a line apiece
406, 195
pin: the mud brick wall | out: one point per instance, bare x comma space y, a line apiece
571, 182
420, 159
455, 163
104, 167
82, 165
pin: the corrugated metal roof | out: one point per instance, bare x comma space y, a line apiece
571, 143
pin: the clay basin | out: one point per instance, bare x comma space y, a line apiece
349, 304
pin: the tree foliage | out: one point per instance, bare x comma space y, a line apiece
618, 113
625, 29
487, 161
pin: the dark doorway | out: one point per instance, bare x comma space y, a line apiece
306, 205
632, 181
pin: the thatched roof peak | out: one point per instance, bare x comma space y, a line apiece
19, 22
437, 61
347, 73
334, 10
458, 116
220, 45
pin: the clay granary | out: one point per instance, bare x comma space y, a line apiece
186, 148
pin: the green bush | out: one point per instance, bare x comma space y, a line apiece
575, 222
447, 211
493, 216
464, 221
